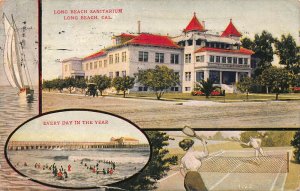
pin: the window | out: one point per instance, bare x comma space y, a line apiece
200, 58
234, 60
87, 66
190, 42
175, 89
105, 63
124, 73
117, 58
159, 57
187, 89
176, 74
214, 76
223, 59
188, 58
111, 59
91, 65
188, 76
218, 59
143, 56
117, 74
174, 58
245, 60
143, 88
211, 58
95, 65
100, 64
199, 76
123, 56
198, 42
240, 60
229, 60
111, 74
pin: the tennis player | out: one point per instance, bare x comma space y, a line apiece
255, 143
190, 163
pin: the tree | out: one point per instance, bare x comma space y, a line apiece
47, 84
275, 78
288, 53
123, 83
102, 82
158, 166
207, 87
263, 50
245, 85
218, 136
247, 43
158, 79
245, 136
296, 144
81, 84
59, 84
70, 83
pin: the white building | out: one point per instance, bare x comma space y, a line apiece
195, 55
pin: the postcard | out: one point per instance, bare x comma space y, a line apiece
150, 95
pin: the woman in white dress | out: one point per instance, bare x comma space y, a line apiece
190, 163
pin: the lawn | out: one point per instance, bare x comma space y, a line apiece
230, 97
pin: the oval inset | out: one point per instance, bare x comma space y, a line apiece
78, 149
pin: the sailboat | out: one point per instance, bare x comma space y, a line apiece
15, 67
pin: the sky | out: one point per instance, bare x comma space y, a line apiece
83, 37
25, 10
37, 130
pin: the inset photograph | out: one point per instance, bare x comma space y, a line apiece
78, 149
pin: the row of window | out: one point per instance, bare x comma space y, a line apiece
103, 63
111, 74
229, 60
117, 74
198, 42
218, 59
159, 57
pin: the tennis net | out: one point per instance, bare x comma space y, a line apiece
244, 162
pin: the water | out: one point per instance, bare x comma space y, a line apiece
13, 112
128, 162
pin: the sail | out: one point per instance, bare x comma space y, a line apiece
12, 64
7, 58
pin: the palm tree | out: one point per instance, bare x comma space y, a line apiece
207, 87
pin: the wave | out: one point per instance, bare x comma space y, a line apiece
120, 160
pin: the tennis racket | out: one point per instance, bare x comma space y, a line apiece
190, 132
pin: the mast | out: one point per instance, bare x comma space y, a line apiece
20, 54
18, 61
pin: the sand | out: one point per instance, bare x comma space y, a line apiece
198, 114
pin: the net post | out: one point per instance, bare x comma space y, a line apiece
288, 161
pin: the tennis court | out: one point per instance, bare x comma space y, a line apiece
237, 170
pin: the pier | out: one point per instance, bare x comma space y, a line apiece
52, 145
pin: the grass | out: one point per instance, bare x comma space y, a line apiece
230, 97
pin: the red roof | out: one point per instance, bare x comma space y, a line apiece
153, 40
126, 35
240, 51
194, 25
231, 31
97, 54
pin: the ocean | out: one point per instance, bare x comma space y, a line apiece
13, 112
128, 161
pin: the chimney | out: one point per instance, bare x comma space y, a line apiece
203, 23
139, 27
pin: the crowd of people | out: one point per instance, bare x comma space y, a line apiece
95, 168
61, 173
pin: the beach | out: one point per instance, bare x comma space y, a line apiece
150, 114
